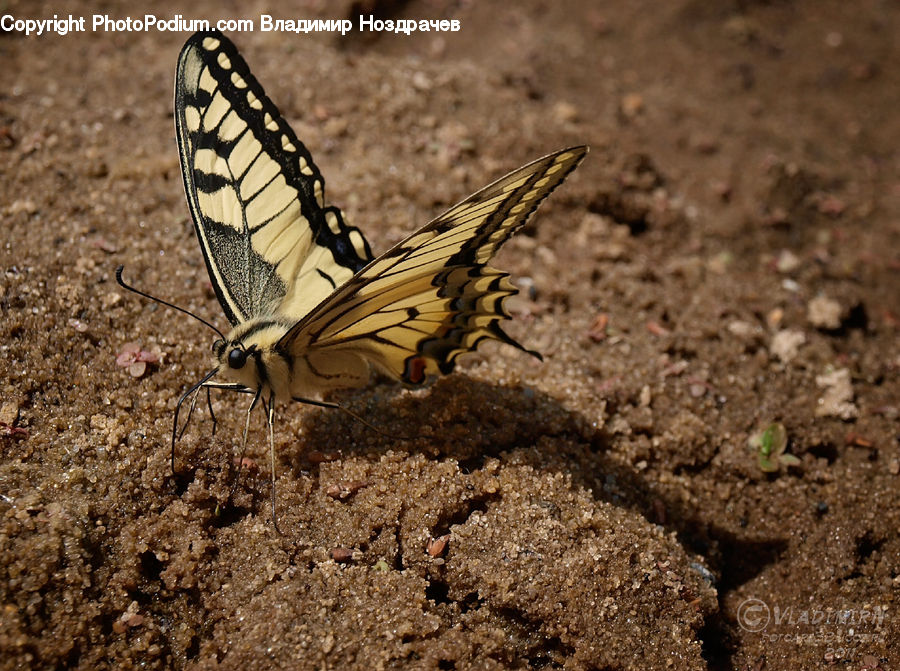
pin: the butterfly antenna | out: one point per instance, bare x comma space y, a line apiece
162, 302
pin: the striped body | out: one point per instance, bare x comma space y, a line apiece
282, 372
309, 305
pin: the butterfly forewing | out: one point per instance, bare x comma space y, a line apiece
432, 297
257, 199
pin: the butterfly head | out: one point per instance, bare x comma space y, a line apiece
249, 355
235, 361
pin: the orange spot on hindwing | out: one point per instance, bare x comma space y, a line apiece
414, 371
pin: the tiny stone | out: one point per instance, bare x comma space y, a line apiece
837, 401
341, 554
741, 328
436, 546
706, 144
775, 317
786, 344
137, 369
111, 299
78, 325
787, 261
420, 81
26, 206
565, 112
646, 396
631, 105
697, 390
824, 313
9, 413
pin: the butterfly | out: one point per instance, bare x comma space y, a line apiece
311, 309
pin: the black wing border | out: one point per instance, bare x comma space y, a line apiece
339, 243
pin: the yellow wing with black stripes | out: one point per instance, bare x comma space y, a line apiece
270, 243
432, 297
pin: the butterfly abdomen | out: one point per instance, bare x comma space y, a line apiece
251, 355
318, 372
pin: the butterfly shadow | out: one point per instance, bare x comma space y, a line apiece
470, 421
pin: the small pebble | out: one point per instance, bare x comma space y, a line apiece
786, 344
824, 313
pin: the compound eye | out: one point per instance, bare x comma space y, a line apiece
218, 346
237, 358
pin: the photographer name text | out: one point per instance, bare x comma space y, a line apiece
178, 23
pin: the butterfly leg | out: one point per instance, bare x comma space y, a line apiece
247, 424
237, 475
212, 414
230, 386
335, 406
271, 414
190, 413
175, 433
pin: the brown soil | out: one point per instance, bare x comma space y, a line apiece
725, 258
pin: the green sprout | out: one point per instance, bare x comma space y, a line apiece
770, 444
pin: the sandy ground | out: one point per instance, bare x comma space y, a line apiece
725, 259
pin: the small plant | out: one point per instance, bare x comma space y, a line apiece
770, 444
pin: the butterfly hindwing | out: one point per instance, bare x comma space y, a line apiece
256, 197
432, 297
